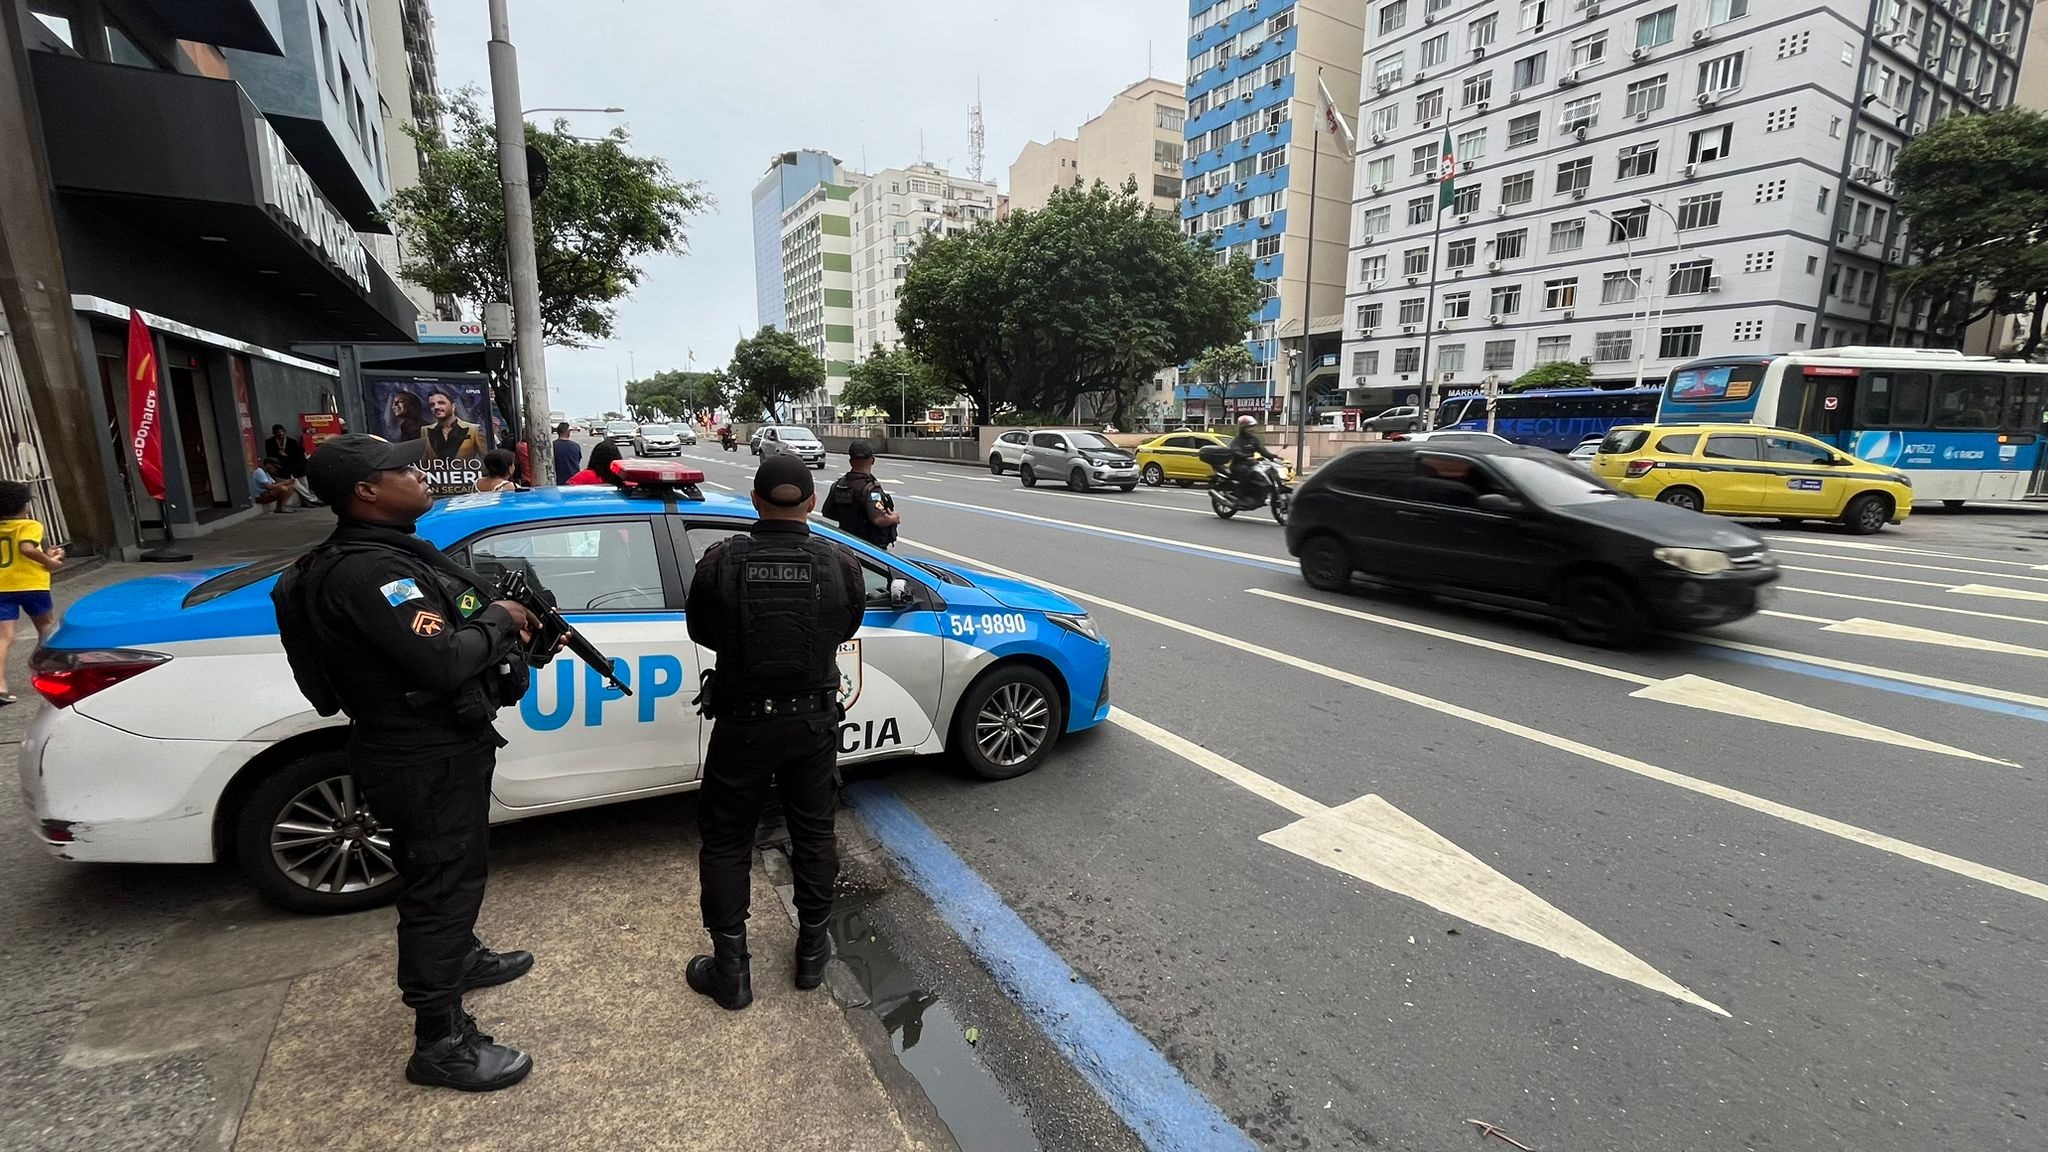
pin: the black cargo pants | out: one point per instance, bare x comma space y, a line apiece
796, 756
438, 812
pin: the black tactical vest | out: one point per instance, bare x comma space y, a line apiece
787, 632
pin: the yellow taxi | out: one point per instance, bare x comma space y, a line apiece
1177, 456
1749, 470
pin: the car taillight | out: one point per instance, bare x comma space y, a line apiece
65, 676
1640, 467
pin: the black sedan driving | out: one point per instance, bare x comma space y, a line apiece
1522, 528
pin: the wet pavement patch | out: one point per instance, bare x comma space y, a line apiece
926, 1037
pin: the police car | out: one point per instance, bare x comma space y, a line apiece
175, 733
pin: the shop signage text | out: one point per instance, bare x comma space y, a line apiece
291, 195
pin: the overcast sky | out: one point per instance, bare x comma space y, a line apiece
716, 89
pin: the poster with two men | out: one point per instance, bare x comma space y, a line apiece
451, 413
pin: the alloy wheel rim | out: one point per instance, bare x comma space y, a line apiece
326, 840
1012, 725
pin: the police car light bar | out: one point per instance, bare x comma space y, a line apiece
660, 477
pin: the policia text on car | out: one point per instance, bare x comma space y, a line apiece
379, 624
774, 605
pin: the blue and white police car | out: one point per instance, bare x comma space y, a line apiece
174, 732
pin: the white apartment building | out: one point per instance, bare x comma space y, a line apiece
817, 286
892, 212
1640, 182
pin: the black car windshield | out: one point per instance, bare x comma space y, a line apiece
1553, 482
1092, 442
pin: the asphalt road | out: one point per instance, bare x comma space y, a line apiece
1368, 868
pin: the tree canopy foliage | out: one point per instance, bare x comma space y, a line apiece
1091, 295
603, 210
1974, 192
677, 395
1219, 367
770, 367
1557, 374
892, 381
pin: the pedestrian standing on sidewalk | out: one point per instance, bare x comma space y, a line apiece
25, 567
568, 455
856, 502
775, 605
379, 624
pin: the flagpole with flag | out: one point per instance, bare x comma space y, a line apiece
1447, 194
1328, 119
146, 429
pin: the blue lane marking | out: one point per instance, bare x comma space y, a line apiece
1983, 703
1272, 565
1144, 1088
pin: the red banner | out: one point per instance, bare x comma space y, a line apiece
145, 411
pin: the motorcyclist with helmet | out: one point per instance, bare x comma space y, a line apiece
1245, 450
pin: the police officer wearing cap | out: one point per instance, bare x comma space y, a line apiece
774, 605
857, 503
380, 625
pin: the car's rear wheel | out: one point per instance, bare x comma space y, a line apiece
1686, 498
1598, 610
1153, 476
1008, 722
995, 464
307, 843
1867, 513
1077, 480
1221, 502
1025, 474
1326, 564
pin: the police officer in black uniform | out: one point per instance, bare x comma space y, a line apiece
775, 605
857, 503
379, 624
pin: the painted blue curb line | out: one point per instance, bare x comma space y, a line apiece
1904, 688
1167, 1113
1247, 561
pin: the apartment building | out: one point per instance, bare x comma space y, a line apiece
408, 97
1041, 169
893, 211
1638, 183
817, 293
1252, 72
790, 177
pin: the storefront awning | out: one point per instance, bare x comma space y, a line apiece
188, 162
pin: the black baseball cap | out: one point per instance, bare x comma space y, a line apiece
859, 450
779, 476
337, 466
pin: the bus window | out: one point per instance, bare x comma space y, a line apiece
1893, 399
2023, 405
1968, 400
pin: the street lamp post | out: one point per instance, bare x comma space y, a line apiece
1678, 238
525, 112
1636, 274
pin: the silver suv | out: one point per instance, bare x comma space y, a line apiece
1081, 458
786, 439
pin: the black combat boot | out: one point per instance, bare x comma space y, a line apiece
488, 969
724, 975
449, 1052
813, 952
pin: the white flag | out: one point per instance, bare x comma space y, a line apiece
1332, 121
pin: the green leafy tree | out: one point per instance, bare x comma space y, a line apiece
1974, 193
675, 395
1217, 369
1091, 295
772, 366
894, 382
1557, 374
604, 210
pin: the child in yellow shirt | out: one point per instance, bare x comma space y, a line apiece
24, 573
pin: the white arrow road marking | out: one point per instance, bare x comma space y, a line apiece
1885, 630
1178, 544
2002, 593
1687, 691
1872, 670
1910, 604
1378, 843
1727, 699
1968, 869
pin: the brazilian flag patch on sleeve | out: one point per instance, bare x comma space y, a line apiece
469, 604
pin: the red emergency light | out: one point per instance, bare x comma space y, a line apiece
659, 477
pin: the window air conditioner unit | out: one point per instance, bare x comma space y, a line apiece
1713, 283
1642, 117
1382, 85
1479, 53
1706, 99
1688, 169
1493, 320
1569, 80
1443, 326
1579, 132
1639, 54
1425, 123
1378, 188
1892, 254
1702, 35
1241, 185
1265, 221
1413, 279
1864, 173
1247, 97
1361, 381
1586, 360
1483, 105
1407, 328
1429, 18
1568, 314
1500, 209
1514, 97
1466, 218
1493, 265
1447, 377
1379, 137
1420, 76
1578, 193
2000, 39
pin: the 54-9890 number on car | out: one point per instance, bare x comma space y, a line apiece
989, 624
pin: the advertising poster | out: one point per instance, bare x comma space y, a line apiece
450, 413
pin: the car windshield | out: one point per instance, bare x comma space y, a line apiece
1091, 442
657, 430
799, 434
1554, 482
619, 427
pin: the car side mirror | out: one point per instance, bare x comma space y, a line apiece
900, 596
1496, 503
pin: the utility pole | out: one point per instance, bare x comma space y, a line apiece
519, 252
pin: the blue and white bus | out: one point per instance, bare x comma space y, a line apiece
1962, 427
1553, 418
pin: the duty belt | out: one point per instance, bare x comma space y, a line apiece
764, 707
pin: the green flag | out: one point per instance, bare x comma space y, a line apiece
1447, 175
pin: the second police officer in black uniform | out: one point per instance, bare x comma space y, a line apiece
775, 605
378, 624
857, 503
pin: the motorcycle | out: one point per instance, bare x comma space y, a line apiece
726, 441
1269, 485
